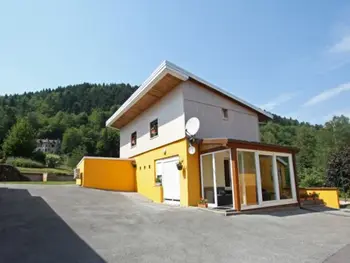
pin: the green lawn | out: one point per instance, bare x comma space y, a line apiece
46, 170
42, 183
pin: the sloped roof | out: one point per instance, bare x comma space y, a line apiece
164, 78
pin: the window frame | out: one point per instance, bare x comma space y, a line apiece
224, 112
274, 155
151, 124
131, 139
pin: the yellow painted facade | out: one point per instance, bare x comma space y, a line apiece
329, 196
108, 174
189, 175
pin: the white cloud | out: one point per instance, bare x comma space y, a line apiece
278, 101
328, 94
345, 112
343, 46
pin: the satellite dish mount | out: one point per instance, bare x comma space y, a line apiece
191, 128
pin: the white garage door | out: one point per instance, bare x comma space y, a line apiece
170, 178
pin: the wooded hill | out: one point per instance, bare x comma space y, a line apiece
76, 114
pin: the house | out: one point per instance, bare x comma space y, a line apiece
230, 167
48, 146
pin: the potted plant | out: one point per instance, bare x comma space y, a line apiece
158, 180
179, 165
315, 195
153, 132
203, 203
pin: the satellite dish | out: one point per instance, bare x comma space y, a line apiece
192, 126
191, 150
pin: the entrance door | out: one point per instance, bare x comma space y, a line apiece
170, 179
216, 179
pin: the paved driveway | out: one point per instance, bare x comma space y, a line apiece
72, 224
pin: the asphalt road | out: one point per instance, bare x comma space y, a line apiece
71, 224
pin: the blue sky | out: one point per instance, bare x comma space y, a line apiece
289, 57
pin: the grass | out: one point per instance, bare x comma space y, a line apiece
45, 170
42, 183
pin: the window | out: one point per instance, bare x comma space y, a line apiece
133, 139
154, 128
225, 114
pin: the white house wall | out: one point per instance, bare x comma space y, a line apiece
207, 106
171, 125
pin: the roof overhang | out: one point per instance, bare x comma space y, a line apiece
217, 143
161, 81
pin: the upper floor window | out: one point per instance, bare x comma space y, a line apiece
133, 139
224, 114
153, 128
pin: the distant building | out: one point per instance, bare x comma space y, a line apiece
48, 146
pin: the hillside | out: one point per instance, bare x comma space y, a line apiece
76, 115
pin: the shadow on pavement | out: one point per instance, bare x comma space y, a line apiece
30, 231
289, 211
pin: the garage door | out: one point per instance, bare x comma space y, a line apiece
170, 178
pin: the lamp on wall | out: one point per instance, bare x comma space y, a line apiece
133, 163
179, 165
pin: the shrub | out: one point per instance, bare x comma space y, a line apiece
39, 156
24, 162
311, 177
76, 156
52, 160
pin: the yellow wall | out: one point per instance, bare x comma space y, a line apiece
109, 174
329, 196
189, 176
193, 177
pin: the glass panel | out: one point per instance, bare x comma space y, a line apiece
223, 179
284, 177
247, 178
208, 178
267, 180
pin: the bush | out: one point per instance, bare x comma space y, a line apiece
76, 156
311, 177
24, 162
52, 160
39, 156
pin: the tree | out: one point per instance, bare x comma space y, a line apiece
52, 160
338, 171
76, 155
305, 140
72, 138
20, 141
97, 119
108, 143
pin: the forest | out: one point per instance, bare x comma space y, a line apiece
76, 115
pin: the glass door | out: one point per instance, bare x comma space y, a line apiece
224, 190
208, 179
216, 175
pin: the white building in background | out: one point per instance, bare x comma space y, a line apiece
48, 146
